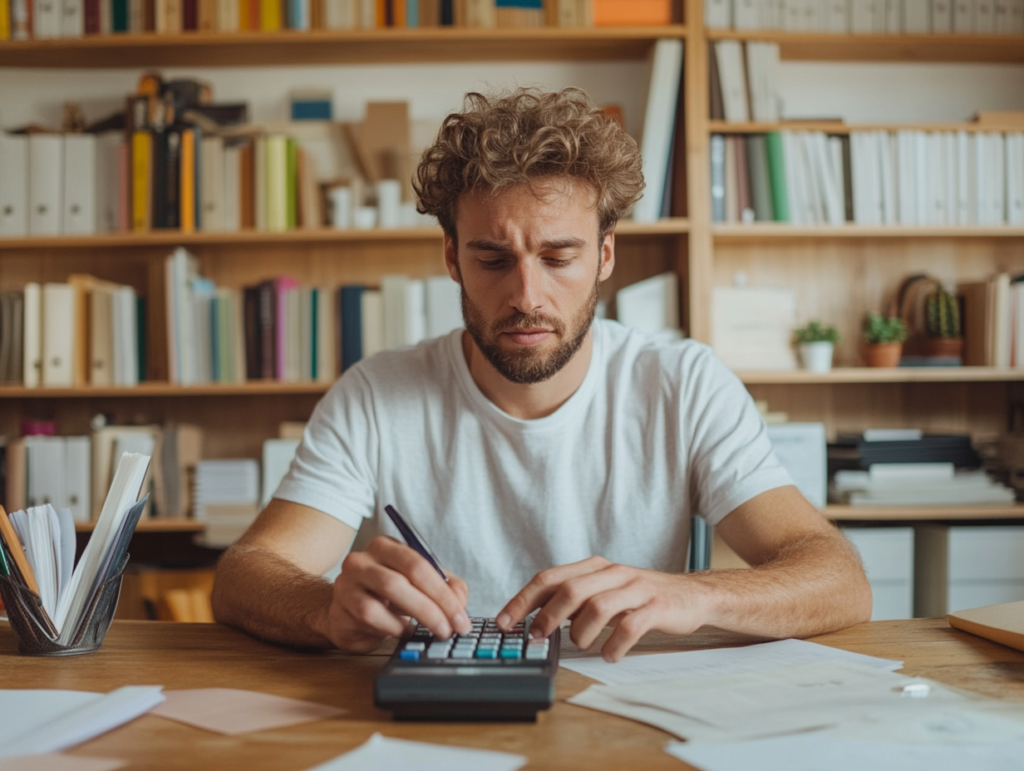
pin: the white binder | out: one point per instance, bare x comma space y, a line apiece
13, 186
45, 179
79, 184
33, 347
58, 355
46, 21
212, 184
78, 473
72, 19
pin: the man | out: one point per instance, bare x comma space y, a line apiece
553, 461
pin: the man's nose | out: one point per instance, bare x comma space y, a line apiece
527, 287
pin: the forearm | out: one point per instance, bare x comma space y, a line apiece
270, 598
811, 586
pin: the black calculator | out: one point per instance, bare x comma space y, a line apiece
483, 675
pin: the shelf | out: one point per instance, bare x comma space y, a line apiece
839, 127
924, 513
170, 238
760, 231
396, 46
154, 526
885, 48
257, 388
843, 375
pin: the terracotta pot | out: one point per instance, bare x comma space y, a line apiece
944, 346
882, 354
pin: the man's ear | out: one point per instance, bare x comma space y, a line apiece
451, 258
607, 257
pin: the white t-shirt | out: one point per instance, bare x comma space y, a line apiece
657, 433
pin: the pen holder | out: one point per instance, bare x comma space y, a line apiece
33, 637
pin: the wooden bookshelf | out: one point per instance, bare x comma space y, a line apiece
146, 390
869, 375
807, 46
841, 513
760, 231
171, 238
156, 525
288, 47
837, 127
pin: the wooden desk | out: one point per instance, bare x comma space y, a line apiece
201, 655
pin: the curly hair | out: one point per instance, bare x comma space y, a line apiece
504, 140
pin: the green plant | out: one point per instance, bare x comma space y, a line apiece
814, 332
942, 314
880, 329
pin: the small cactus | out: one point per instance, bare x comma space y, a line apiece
942, 314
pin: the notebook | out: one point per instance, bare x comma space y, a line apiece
1003, 623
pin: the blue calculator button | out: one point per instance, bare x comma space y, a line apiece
486, 653
511, 653
410, 655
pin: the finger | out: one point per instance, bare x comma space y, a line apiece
541, 588
404, 598
421, 574
604, 609
372, 614
573, 595
460, 587
628, 632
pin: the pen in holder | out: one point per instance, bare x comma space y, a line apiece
34, 639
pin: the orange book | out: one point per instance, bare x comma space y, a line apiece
381, 6
187, 193
243, 15
632, 13
142, 180
254, 14
5, 20
271, 13
398, 13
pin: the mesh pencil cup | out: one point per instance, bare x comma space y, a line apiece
31, 631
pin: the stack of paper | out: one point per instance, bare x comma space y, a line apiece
227, 494
917, 484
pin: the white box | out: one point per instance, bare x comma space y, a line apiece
888, 557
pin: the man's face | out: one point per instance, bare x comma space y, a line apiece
529, 261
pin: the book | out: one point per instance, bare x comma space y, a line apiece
651, 305
13, 186
1003, 623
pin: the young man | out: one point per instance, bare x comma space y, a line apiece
552, 460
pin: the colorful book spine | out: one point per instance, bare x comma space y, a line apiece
271, 15
777, 177
5, 20
187, 181
119, 15
142, 179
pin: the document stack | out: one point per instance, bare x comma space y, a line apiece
227, 494
53, 607
908, 468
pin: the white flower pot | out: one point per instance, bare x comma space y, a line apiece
816, 357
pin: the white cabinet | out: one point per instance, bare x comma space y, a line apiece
888, 557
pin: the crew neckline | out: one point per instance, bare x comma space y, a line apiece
484, 406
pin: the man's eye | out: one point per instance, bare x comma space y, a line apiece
558, 263
493, 264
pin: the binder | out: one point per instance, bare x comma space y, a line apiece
32, 349
46, 22
212, 161
13, 186
101, 352
729, 56
79, 184
45, 178
58, 335
72, 22
78, 454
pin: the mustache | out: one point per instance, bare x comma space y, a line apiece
524, 321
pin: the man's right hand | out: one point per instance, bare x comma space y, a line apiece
386, 582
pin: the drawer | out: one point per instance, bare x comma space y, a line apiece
986, 553
887, 552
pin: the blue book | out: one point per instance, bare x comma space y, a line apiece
350, 298
412, 13
533, 5
298, 14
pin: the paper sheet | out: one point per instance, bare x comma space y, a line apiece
717, 661
380, 752
22, 711
819, 750
90, 719
54, 762
231, 711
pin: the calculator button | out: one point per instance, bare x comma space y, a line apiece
487, 653
415, 646
463, 653
536, 654
408, 655
510, 653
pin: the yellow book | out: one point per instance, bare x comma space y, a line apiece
243, 15
142, 179
187, 193
5, 20
270, 15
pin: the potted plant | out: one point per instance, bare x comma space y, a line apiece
883, 340
816, 344
942, 324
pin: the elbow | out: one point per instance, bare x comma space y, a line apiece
220, 597
861, 602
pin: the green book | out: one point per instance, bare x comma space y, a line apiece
292, 179
777, 175
140, 336
760, 181
277, 183
119, 16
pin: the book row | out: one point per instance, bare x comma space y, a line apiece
25, 19
993, 321
870, 17
938, 178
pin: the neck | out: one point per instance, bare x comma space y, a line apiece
528, 401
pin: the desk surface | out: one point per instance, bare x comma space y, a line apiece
567, 736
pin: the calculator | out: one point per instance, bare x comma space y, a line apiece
482, 675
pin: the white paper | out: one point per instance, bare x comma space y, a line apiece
380, 752
600, 698
22, 711
82, 721
718, 661
819, 750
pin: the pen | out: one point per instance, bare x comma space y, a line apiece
414, 539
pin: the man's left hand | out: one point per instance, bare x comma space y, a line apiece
596, 593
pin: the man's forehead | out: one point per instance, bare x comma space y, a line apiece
547, 197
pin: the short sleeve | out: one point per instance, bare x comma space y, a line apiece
335, 466
732, 459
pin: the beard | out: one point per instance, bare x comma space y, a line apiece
526, 365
